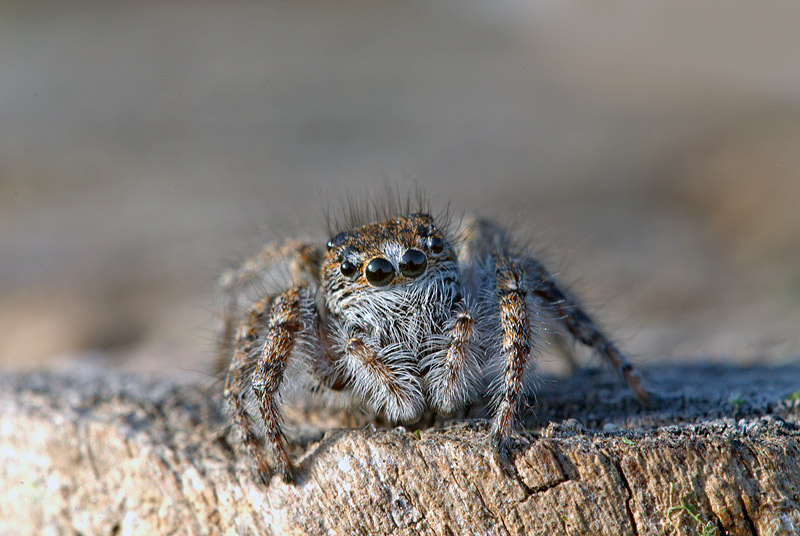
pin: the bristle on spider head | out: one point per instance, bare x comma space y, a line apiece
360, 209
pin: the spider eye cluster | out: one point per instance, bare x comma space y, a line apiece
380, 272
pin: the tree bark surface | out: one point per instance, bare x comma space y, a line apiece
107, 453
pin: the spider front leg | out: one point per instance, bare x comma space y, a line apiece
451, 369
290, 313
386, 376
515, 327
581, 326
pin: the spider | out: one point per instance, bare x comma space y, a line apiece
402, 311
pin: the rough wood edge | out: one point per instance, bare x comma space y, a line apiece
116, 454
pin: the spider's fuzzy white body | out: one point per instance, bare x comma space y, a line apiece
410, 325
400, 312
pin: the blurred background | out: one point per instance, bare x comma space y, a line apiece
651, 149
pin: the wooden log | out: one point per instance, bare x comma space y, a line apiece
109, 453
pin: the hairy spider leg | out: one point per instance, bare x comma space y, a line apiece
303, 259
452, 372
303, 256
515, 327
481, 234
235, 390
580, 325
380, 375
288, 314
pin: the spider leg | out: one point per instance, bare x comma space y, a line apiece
515, 346
580, 325
304, 259
451, 371
235, 385
289, 313
386, 377
478, 238
303, 265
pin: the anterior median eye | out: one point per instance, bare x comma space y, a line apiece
347, 268
379, 272
413, 262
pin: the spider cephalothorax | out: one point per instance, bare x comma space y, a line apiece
401, 312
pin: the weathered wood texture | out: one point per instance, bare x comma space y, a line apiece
115, 454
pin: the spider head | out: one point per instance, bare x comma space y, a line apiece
400, 254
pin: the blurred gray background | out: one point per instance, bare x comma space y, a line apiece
650, 149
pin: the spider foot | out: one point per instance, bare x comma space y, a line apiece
284, 467
264, 474
288, 475
503, 456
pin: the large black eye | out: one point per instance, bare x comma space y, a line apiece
413, 263
347, 268
437, 244
380, 272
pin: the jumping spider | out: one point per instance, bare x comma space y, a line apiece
399, 310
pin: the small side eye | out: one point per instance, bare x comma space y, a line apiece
436, 244
379, 272
337, 240
347, 268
